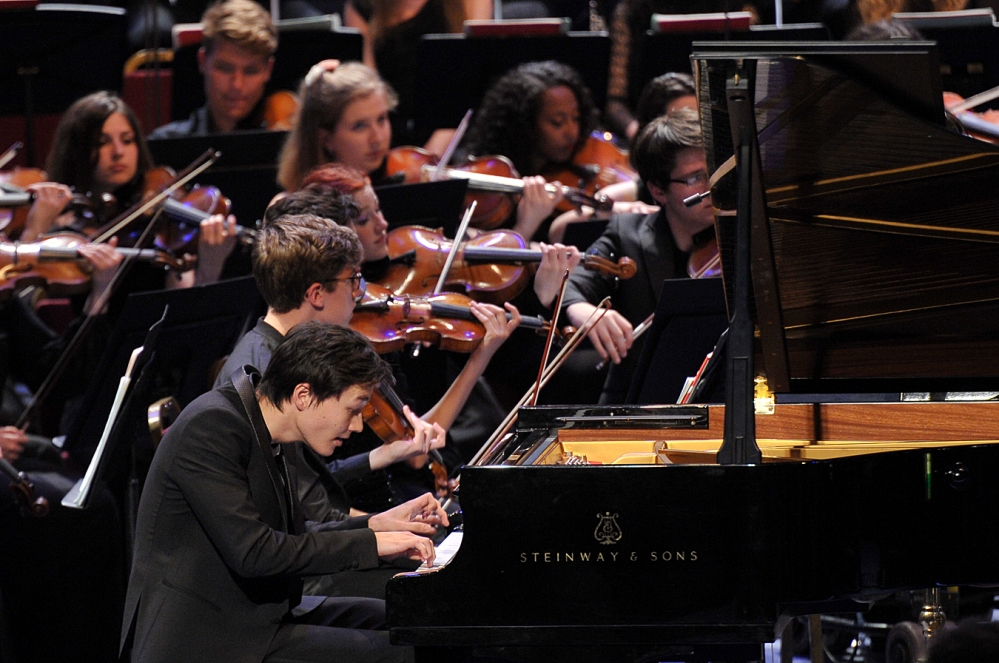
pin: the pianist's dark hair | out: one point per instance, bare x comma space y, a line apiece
329, 358
658, 144
507, 119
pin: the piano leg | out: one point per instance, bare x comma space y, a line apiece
815, 638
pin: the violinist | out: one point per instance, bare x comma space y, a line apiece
99, 151
236, 58
539, 115
343, 118
306, 269
669, 155
435, 374
444, 401
660, 96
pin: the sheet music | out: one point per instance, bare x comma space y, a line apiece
445, 551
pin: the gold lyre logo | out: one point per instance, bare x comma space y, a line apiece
608, 532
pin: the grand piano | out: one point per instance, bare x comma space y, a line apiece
611, 533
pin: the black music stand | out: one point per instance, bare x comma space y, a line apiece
52, 55
246, 171
969, 57
582, 234
443, 100
297, 52
430, 204
689, 318
134, 400
203, 325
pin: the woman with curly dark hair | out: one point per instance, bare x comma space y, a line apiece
538, 115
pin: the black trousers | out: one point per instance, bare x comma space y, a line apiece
340, 629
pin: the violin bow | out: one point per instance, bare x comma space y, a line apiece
551, 337
492, 444
76, 342
12, 152
204, 162
452, 145
458, 236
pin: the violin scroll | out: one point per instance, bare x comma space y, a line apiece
24, 491
624, 268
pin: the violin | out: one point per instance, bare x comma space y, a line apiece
983, 126
597, 164
279, 110
496, 175
383, 414
184, 212
55, 263
390, 321
704, 260
12, 184
492, 267
23, 489
492, 181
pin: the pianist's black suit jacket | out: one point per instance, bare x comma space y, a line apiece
647, 240
214, 567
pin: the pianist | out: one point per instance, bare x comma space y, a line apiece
221, 544
669, 157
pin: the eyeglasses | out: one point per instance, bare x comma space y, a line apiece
357, 282
696, 179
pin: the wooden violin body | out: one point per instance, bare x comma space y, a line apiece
390, 322
495, 266
54, 263
597, 164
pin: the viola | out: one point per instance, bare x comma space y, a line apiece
597, 164
493, 267
390, 321
55, 263
383, 414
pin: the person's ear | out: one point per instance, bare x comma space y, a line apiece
202, 56
269, 68
658, 193
301, 396
315, 296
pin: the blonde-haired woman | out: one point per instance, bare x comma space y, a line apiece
343, 117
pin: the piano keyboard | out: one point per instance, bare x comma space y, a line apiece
445, 551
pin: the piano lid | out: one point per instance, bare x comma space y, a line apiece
876, 264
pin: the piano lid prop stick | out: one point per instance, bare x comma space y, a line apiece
639, 330
551, 337
577, 338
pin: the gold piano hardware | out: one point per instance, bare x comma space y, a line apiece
763, 398
569, 458
792, 433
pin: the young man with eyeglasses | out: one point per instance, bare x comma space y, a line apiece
669, 157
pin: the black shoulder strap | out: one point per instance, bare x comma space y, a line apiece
243, 380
